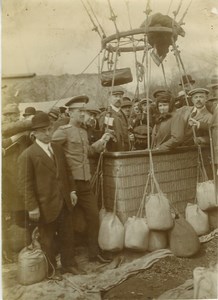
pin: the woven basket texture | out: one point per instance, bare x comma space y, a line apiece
176, 174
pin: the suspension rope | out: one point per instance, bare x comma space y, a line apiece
175, 12
178, 65
185, 13
169, 7
95, 28
113, 17
103, 32
164, 74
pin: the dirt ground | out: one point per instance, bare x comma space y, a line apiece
164, 275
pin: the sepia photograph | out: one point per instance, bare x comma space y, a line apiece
109, 168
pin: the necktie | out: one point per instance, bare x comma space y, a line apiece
51, 154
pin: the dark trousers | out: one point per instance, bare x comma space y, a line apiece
88, 202
63, 227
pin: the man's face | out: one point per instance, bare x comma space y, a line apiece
44, 134
163, 107
77, 115
188, 86
126, 110
199, 99
116, 100
90, 119
136, 108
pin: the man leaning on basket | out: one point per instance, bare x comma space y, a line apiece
49, 195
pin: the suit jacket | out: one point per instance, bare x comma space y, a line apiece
120, 128
181, 133
43, 183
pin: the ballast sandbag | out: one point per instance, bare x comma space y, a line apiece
183, 239
206, 195
197, 218
158, 212
136, 234
111, 233
32, 266
157, 240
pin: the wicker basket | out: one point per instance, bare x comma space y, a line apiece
176, 173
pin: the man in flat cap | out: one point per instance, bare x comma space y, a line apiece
49, 195
74, 140
113, 120
190, 124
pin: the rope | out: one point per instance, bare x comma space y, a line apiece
164, 74
95, 28
180, 71
169, 7
113, 17
213, 163
185, 13
177, 11
104, 35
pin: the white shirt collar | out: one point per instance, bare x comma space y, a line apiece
44, 147
117, 109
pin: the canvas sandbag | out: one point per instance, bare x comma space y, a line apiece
32, 263
111, 233
158, 212
206, 195
121, 76
197, 218
157, 240
136, 234
206, 282
183, 239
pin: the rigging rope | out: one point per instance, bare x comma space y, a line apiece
103, 33
185, 13
169, 7
113, 16
95, 28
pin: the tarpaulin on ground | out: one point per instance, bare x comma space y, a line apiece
87, 287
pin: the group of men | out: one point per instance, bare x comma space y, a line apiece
50, 172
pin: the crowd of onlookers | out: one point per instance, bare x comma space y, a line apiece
45, 165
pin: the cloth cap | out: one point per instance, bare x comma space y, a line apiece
160, 92
198, 90
77, 101
29, 111
92, 108
126, 102
180, 94
213, 81
144, 100
40, 120
187, 79
54, 113
11, 108
117, 92
163, 99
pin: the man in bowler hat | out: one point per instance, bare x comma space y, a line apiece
49, 195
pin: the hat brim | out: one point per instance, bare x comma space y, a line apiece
41, 125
